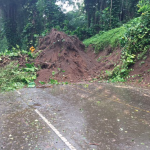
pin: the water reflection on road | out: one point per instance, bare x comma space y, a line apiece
90, 117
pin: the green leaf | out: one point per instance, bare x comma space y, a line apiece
17, 46
53, 73
29, 69
123, 70
42, 82
29, 65
31, 85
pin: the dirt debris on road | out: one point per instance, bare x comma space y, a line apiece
64, 58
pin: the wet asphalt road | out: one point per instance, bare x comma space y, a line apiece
90, 117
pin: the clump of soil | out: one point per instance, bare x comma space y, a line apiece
64, 58
140, 73
4, 61
107, 60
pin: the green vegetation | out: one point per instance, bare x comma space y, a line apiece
41, 82
31, 19
103, 40
53, 73
17, 52
3, 43
133, 37
52, 81
108, 24
12, 77
136, 41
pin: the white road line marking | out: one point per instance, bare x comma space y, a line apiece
18, 92
56, 131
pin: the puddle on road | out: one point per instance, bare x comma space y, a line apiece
93, 117
102, 117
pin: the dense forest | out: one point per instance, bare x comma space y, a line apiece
104, 24
22, 21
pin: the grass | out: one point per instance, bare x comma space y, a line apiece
109, 38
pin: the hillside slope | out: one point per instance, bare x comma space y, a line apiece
118, 63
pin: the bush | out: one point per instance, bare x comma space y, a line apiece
135, 41
12, 77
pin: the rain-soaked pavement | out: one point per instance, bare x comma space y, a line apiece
89, 117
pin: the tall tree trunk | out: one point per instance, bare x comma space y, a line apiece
10, 24
121, 11
110, 13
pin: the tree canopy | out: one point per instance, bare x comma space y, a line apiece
24, 20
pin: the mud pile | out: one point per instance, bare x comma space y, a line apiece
63, 58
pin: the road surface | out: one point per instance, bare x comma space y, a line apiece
75, 117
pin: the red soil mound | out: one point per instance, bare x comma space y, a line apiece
63, 58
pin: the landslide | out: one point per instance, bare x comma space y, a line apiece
64, 58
